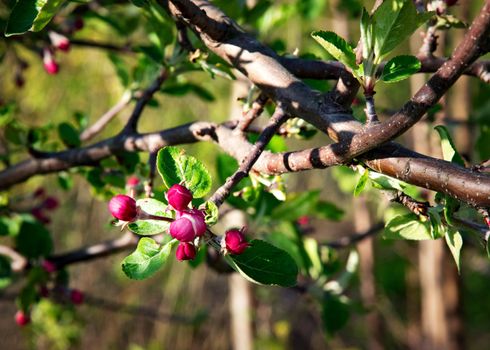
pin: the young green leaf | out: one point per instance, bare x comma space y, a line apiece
69, 135
31, 15
151, 227
262, 263
175, 168
367, 34
337, 47
147, 259
400, 68
454, 241
293, 208
407, 227
362, 182
5, 272
33, 240
394, 21
449, 151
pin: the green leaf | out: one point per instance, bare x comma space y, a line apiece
5, 272
33, 240
407, 227
147, 259
69, 135
262, 263
329, 211
361, 184
151, 227
175, 167
454, 241
367, 34
9, 226
121, 68
185, 88
400, 68
394, 21
449, 151
437, 228
335, 312
293, 208
211, 211
337, 47
31, 15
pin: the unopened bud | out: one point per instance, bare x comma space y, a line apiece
59, 41
50, 65
21, 318
188, 225
123, 208
185, 251
234, 242
179, 197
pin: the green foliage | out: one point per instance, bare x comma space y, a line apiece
262, 263
449, 151
337, 47
5, 272
407, 227
454, 241
177, 168
361, 184
394, 21
212, 214
147, 259
33, 240
69, 135
335, 312
31, 15
151, 227
297, 206
400, 68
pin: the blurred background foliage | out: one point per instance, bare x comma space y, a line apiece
183, 308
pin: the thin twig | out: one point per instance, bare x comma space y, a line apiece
104, 119
277, 119
146, 96
348, 241
253, 113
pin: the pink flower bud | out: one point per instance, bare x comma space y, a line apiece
48, 266
40, 192
123, 207
76, 297
132, 181
44, 291
59, 41
235, 242
50, 65
179, 197
188, 225
185, 251
39, 215
487, 221
19, 80
303, 220
50, 203
78, 24
21, 318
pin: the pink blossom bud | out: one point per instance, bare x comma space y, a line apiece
188, 225
48, 266
19, 80
132, 181
21, 318
235, 242
77, 297
123, 207
179, 197
44, 291
78, 24
39, 215
59, 41
50, 203
487, 221
185, 251
40, 192
50, 65
303, 220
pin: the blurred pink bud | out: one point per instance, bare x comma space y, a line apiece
50, 203
303, 220
487, 221
132, 181
123, 207
48, 266
39, 215
450, 2
21, 318
179, 197
78, 24
19, 80
40, 192
188, 225
50, 65
235, 242
77, 297
185, 251
59, 41
44, 291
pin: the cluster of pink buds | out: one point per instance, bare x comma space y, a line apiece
48, 203
234, 242
58, 42
48, 266
188, 223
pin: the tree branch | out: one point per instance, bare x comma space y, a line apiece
277, 119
